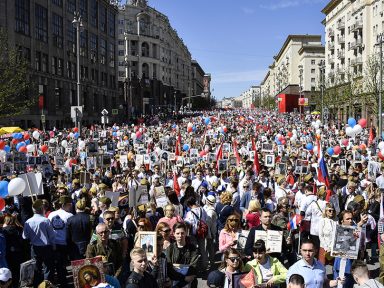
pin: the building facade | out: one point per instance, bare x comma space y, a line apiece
250, 98
44, 33
155, 66
295, 64
351, 31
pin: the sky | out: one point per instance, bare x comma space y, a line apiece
235, 41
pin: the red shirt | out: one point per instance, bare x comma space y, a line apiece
253, 219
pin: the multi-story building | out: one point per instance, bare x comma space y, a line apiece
250, 98
155, 66
44, 33
295, 64
351, 29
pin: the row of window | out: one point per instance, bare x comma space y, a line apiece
99, 16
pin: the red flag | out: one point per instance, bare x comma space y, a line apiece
178, 144
236, 152
219, 155
371, 136
256, 164
176, 186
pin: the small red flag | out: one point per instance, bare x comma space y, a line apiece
176, 186
256, 164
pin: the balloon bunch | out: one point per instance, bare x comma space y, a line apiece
280, 139
353, 128
13, 188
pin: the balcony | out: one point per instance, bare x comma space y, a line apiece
341, 25
331, 60
331, 32
331, 74
331, 45
340, 70
340, 54
341, 39
357, 61
357, 25
359, 42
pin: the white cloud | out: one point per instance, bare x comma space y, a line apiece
239, 76
282, 4
247, 10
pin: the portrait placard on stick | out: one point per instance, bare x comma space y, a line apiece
345, 242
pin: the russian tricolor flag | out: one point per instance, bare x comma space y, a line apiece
322, 171
294, 222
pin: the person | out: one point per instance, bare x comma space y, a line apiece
6, 278
253, 216
327, 226
39, 232
164, 230
223, 210
147, 246
360, 274
311, 269
106, 247
170, 218
139, 276
212, 227
228, 236
59, 220
265, 225
79, 231
270, 271
296, 281
230, 265
181, 252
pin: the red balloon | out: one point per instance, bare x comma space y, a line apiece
26, 136
202, 153
283, 141
2, 203
225, 129
75, 129
189, 129
289, 134
44, 148
2, 144
138, 134
363, 146
301, 101
345, 142
23, 149
280, 138
381, 156
336, 150
363, 122
72, 162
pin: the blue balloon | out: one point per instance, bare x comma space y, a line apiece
27, 142
221, 130
194, 128
278, 142
309, 146
76, 135
19, 145
14, 135
3, 189
185, 147
114, 134
174, 126
19, 136
352, 122
7, 148
330, 151
207, 120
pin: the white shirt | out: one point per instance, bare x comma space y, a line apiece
314, 213
58, 221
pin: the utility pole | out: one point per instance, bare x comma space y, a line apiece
380, 42
77, 22
300, 88
322, 72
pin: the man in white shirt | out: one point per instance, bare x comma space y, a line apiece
59, 219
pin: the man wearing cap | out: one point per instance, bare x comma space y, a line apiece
79, 231
59, 219
39, 232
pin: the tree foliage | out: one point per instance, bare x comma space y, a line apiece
15, 85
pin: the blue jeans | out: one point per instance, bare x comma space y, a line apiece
44, 263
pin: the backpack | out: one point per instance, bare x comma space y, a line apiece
202, 227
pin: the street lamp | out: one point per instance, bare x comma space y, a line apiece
301, 80
380, 39
322, 73
77, 22
127, 97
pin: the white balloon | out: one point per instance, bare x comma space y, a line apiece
313, 124
64, 143
71, 135
16, 186
318, 122
81, 145
381, 145
36, 135
2, 153
357, 129
317, 126
349, 131
315, 149
294, 132
318, 131
52, 140
30, 148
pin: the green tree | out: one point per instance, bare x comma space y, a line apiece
15, 84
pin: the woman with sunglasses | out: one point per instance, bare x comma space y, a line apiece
228, 236
269, 270
164, 230
327, 226
231, 264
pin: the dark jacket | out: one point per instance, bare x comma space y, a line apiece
136, 280
186, 255
79, 228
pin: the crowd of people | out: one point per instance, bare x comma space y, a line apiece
239, 198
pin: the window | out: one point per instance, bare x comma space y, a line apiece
71, 38
94, 13
57, 30
121, 52
313, 71
313, 62
22, 17
44, 63
111, 23
58, 103
93, 45
38, 61
60, 66
71, 6
58, 2
103, 50
103, 18
54, 65
121, 42
84, 43
313, 80
111, 54
84, 9
41, 20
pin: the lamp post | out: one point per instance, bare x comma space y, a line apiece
380, 39
77, 22
322, 72
300, 87
127, 97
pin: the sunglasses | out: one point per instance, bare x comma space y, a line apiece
109, 219
234, 220
331, 210
233, 259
